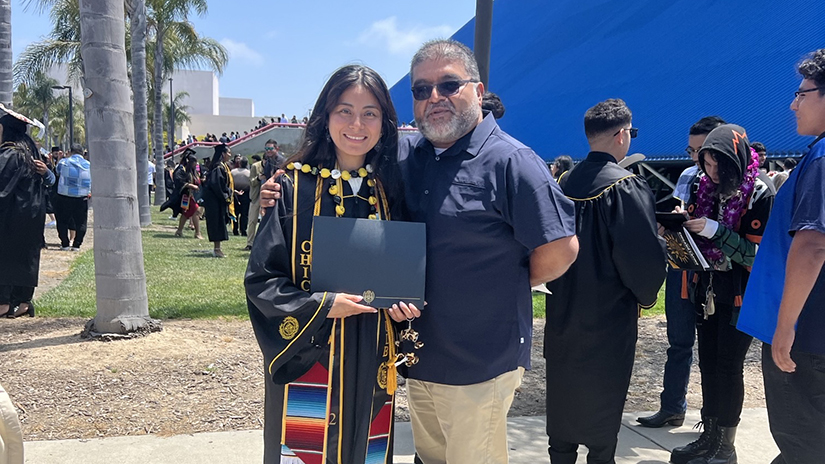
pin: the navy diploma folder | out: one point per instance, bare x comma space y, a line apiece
384, 261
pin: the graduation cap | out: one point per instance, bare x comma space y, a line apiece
23, 120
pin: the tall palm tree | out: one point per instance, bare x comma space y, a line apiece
137, 27
122, 302
37, 98
181, 47
6, 83
176, 42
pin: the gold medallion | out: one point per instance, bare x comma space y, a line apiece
383, 371
369, 296
289, 328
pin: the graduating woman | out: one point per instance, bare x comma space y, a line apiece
319, 408
218, 199
24, 179
728, 212
188, 182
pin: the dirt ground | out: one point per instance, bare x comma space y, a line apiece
199, 376
207, 375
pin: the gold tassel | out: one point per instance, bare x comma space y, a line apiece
392, 371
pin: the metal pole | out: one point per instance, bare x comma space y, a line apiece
483, 37
171, 117
71, 118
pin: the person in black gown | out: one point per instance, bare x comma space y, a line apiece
318, 408
24, 179
592, 315
218, 200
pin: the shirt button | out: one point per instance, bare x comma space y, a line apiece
426, 192
438, 158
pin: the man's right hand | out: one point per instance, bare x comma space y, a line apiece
270, 192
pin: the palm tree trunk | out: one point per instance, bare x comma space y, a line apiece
137, 23
6, 86
157, 127
122, 302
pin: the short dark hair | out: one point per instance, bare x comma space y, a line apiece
563, 163
759, 147
491, 103
244, 162
77, 148
55, 149
789, 163
271, 142
447, 50
813, 68
256, 157
606, 116
706, 125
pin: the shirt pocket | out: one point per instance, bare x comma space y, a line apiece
466, 197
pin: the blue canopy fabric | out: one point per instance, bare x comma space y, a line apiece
673, 62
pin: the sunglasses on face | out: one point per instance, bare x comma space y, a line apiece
445, 89
634, 131
269, 148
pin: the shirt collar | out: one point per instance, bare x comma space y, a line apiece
471, 142
600, 156
821, 136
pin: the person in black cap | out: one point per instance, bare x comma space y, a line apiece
218, 198
24, 179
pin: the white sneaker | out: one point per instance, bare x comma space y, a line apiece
75, 249
65, 248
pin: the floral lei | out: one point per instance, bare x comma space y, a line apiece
732, 207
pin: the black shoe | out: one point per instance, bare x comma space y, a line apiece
722, 450
13, 314
247, 248
696, 449
661, 418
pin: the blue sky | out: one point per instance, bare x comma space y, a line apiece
281, 53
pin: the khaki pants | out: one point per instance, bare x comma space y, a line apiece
460, 424
252, 227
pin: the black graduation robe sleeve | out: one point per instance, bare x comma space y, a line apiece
218, 184
290, 324
638, 251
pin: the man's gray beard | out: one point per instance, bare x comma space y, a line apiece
452, 130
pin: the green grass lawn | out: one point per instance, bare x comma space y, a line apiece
183, 280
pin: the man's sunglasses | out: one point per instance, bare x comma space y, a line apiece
445, 89
269, 148
634, 131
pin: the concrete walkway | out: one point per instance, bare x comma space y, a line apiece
637, 445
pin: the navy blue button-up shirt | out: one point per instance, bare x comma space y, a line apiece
488, 201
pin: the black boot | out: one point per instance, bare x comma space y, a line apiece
695, 449
722, 451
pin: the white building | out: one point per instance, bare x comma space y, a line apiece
209, 112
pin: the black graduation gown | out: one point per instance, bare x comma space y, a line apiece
179, 179
216, 198
295, 335
22, 217
592, 315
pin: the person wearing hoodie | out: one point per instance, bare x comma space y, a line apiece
728, 214
73, 191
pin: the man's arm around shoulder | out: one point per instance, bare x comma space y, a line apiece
549, 261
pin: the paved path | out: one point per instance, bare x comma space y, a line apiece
637, 445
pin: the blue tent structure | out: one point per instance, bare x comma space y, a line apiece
673, 62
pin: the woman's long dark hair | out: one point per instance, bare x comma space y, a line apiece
317, 149
730, 176
217, 157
